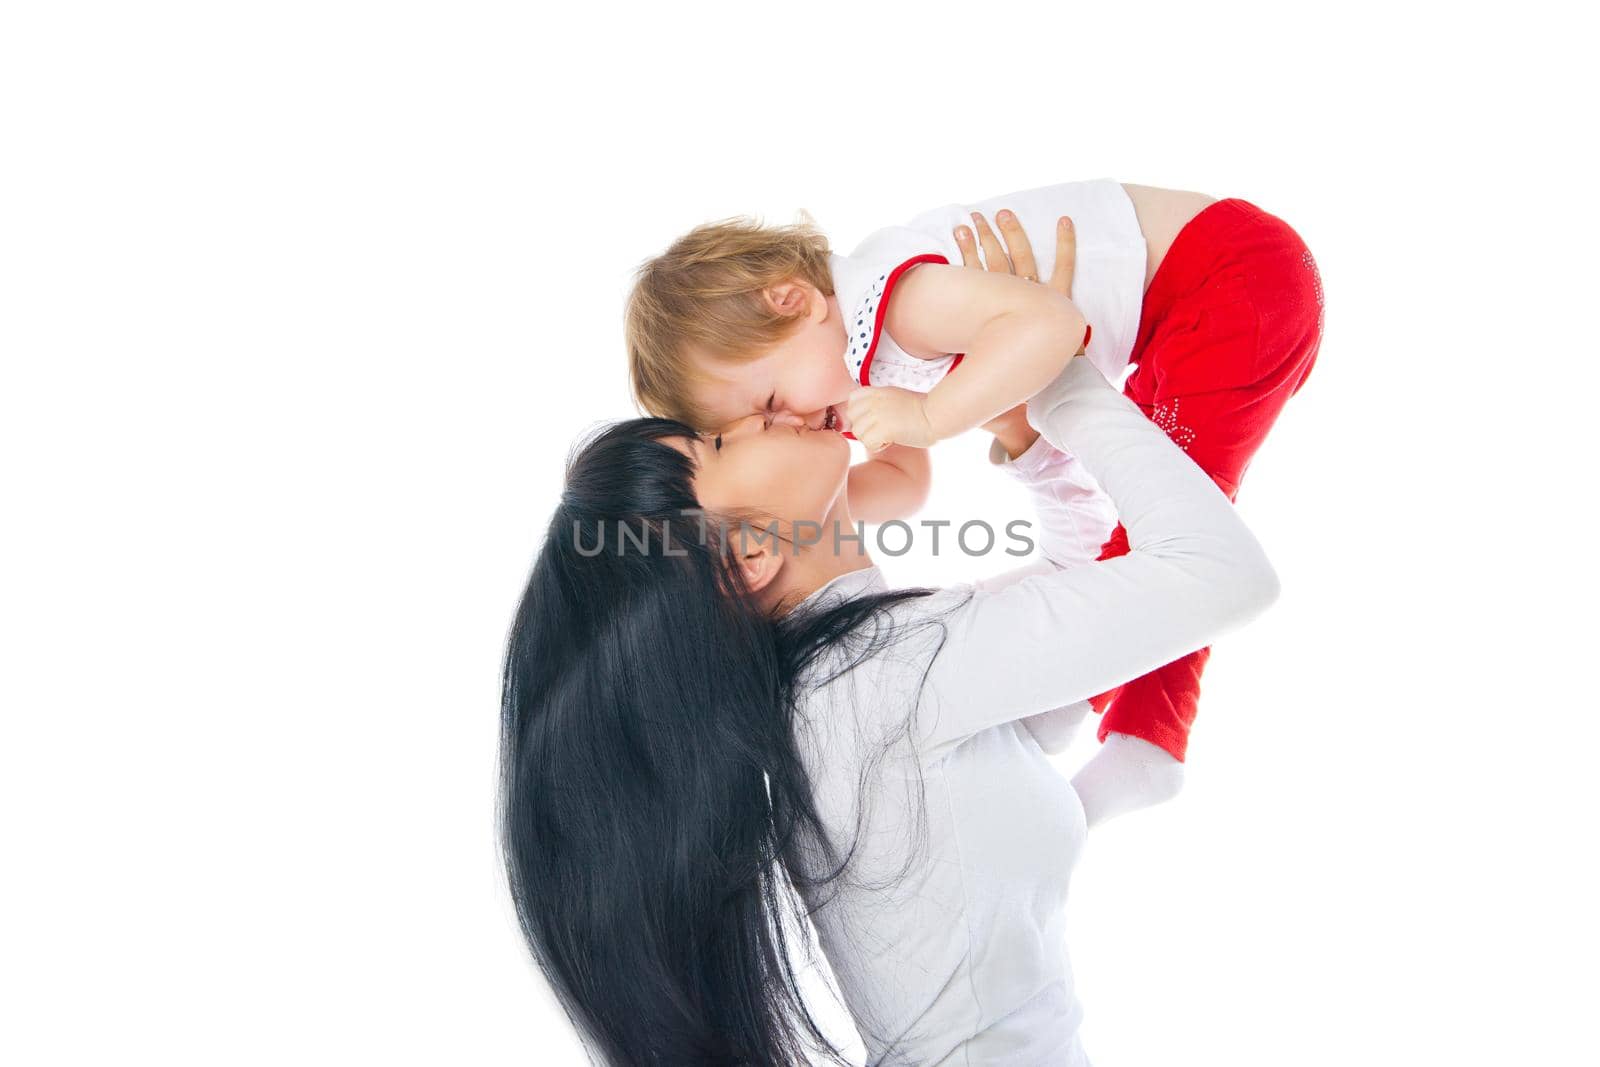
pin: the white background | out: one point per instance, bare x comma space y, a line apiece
303, 303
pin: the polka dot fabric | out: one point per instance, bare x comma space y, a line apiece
862, 328
871, 355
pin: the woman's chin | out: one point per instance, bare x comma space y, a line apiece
834, 444
827, 458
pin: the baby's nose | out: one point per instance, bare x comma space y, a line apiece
813, 420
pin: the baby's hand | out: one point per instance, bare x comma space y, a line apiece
881, 416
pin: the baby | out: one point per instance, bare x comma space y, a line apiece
1216, 304
736, 317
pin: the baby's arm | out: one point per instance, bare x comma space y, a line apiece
891, 485
1017, 336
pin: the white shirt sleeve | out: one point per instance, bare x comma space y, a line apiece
1074, 520
1046, 641
1076, 517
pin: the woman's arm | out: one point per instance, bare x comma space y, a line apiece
1074, 517
1073, 520
1050, 640
1126, 773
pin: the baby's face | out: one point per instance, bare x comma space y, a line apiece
803, 375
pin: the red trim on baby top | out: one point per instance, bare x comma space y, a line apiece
883, 308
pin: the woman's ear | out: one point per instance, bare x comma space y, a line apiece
759, 566
790, 299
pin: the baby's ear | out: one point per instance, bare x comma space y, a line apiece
789, 299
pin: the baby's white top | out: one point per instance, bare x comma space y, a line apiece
962, 959
1108, 286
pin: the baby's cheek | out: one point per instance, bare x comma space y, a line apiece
829, 379
814, 379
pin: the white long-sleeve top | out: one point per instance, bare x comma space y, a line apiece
1075, 517
947, 936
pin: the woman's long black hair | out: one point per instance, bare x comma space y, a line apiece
651, 785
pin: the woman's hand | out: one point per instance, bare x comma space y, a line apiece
1015, 256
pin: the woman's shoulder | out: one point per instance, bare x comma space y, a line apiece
900, 634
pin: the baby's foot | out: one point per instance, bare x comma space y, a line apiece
1128, 773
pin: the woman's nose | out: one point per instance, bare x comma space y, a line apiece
787, 418
747, 425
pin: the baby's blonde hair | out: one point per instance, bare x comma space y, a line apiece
705, 293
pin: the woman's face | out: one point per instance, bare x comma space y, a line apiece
774, 466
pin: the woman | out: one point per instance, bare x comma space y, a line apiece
1213, 309
694, 710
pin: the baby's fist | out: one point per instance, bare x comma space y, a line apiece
881, 416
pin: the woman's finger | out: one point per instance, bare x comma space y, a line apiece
1066, 256
1017, 246
969, 247
994, 254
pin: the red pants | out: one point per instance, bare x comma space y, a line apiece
1229, 331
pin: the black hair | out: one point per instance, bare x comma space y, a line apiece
652, 794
